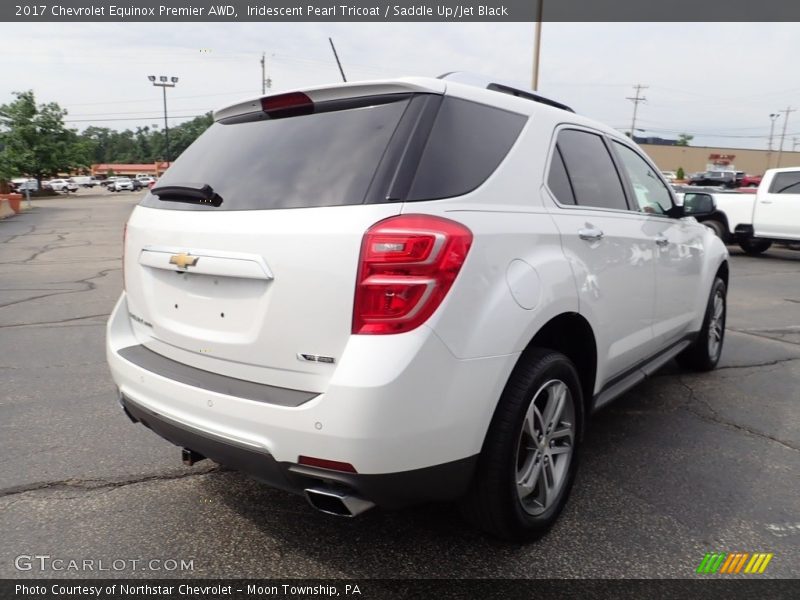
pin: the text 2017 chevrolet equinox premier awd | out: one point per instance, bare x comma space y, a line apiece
395, 292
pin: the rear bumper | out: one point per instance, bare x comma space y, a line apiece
409, 416
389, 490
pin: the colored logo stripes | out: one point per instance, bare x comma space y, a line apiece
732, 563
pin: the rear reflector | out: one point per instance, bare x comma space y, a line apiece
322, 463
408, 264
292, 104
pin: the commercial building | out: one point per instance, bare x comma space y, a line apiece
700, 158
103, 169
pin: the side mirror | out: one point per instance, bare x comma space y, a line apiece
698, 205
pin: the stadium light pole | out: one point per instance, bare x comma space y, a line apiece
164, 82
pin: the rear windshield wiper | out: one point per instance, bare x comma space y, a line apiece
192, 193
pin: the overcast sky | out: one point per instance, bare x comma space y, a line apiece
718, 82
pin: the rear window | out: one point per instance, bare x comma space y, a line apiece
409, 148
322, 159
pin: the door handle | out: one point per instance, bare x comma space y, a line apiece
662, 241
766, 202
590, 234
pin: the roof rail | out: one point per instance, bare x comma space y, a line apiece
502, 87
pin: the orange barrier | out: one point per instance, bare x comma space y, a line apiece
5, 209
14, 201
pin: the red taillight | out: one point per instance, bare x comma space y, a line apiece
124, 240
324, 463
292, 104
408, 264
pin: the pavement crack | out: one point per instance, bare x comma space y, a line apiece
91, 485
87, 281
714, 417
51, 247
13, 237
763, 364
59, 322
763, 334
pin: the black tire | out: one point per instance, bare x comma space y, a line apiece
702, 355
494, 502
717, 227
754, 246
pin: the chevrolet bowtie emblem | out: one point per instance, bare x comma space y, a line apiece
183, 260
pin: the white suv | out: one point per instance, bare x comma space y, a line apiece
63, 185
406, 291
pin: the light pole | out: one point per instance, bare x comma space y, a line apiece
772, 117
164, 82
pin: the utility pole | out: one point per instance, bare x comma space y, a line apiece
636, 99
266, 82
772, 117
786, 112
537, 45
336, 56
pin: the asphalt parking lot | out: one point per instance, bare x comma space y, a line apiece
682, 465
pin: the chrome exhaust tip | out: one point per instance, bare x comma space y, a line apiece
335, 502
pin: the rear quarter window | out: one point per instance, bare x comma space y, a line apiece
467, 143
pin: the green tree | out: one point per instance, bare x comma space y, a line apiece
680, 174
684, 139
145, 145
34, 140
182, 136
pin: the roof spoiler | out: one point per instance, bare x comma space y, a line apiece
502, 87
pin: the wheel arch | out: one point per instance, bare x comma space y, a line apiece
723, 271
721, 218
572, 335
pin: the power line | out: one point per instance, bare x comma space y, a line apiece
130, 118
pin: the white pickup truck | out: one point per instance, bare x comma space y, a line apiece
755, 221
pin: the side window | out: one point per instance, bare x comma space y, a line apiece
594, 178
786, 183
650, 193
558, 181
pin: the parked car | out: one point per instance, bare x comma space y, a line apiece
85, 181
63, 185
121, 183
145, 180
751, 180
21, 184
427, 304
756, 221
715, 179
670, 176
